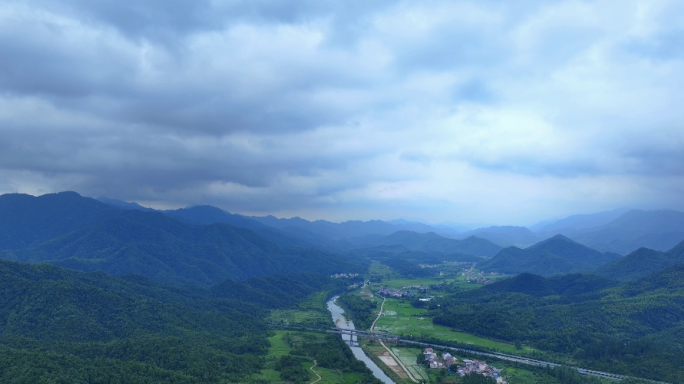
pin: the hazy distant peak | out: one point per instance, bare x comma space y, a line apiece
122, 204
556, 239
583, 221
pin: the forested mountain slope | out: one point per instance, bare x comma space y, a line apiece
557, 255
642, 262
154, 245
627, 328
538, 286
58, 325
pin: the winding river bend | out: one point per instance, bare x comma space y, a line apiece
341, 322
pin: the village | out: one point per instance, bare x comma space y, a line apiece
404, 291
387, 292
344, 275
466, 367
478, 278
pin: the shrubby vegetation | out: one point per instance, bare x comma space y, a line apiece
358, 309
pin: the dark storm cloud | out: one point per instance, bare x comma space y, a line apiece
337, 108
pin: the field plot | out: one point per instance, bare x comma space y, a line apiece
399, 283
294, 316
388, 360
278, 346
366, 293
408, 358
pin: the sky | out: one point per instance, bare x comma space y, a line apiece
505, 112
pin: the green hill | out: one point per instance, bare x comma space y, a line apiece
59, 325
538, 286
557, 255
626, 328
154, 245
641, 262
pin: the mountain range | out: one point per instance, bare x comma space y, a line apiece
205, 245
618, 231
84, 234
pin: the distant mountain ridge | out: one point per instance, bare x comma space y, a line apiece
557, 255
349, 229
659, 230
431, 242
618, 231
301, 228
571, 224
642, 262
505, 236
123, 204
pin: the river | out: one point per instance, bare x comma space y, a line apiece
341, 322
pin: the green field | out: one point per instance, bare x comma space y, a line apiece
397, 282
278, 346
401, 282
400, 318
294, 316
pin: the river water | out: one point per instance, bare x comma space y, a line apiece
341, 322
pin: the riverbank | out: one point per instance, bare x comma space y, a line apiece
338, 318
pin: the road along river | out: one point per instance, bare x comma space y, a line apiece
341, 322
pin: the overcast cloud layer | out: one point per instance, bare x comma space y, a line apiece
470, 111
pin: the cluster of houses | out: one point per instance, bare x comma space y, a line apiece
344, 275
435, 362
481, 367
384, 291
466, 367
477, 278
428, 265
459, 262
